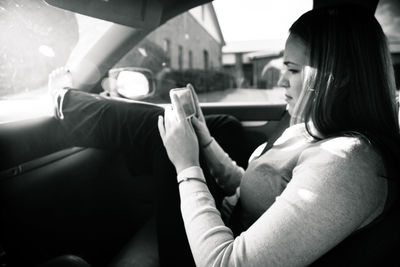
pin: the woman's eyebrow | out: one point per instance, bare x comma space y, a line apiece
290, 62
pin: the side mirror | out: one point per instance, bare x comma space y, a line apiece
130, 82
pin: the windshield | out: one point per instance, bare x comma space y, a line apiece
36, 38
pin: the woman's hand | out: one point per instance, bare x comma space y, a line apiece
199, 123
178, 137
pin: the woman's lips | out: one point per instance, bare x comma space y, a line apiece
288, 98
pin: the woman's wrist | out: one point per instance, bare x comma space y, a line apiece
179, 168
208, 143
193, 172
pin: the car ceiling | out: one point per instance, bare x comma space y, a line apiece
387, 12
101, 9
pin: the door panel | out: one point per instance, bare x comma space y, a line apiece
25, 140
258, 120
57, 199
246, 112
77, 201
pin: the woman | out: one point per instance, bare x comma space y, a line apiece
325, 178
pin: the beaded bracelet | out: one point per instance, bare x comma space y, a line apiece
191, 178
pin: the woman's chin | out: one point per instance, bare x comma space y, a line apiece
289, 108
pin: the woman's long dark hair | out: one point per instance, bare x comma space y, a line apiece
351, 78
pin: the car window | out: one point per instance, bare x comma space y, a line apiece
35, 39
230, 50
224, 62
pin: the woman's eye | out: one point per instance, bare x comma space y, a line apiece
294, 71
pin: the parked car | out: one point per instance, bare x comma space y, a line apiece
57, 199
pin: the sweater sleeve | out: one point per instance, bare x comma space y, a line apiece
225, 171
334, 191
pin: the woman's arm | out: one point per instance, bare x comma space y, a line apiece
335, 190
225, 171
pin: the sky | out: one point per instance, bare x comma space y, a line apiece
258, 19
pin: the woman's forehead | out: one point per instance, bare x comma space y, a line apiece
295, 51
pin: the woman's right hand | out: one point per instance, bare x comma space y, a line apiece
199, 123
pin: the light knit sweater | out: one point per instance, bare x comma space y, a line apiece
298, 200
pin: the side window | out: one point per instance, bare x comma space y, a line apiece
221, 70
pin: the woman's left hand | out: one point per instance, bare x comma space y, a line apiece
178, 137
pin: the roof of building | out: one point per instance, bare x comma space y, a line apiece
209, 23
272, 46
215, 17
264, 54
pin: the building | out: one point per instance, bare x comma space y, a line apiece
192, 40
248, 62
266, 68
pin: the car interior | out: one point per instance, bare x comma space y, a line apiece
63, 205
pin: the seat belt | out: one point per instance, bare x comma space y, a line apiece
283, 124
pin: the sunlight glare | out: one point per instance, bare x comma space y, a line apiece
306, 195
22, 109
333, 146
46, 51
258, 19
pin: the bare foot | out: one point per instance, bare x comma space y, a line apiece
58, 79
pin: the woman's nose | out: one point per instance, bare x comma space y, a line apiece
283, 81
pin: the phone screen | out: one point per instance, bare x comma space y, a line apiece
186, 99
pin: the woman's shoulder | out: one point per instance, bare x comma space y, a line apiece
355, 145
347, 152
348, 163
347, 145
337, 153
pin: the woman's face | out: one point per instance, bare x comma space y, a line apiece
294, 59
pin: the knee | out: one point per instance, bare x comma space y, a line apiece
224, 123
232, 122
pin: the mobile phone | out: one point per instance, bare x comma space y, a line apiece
186, 99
